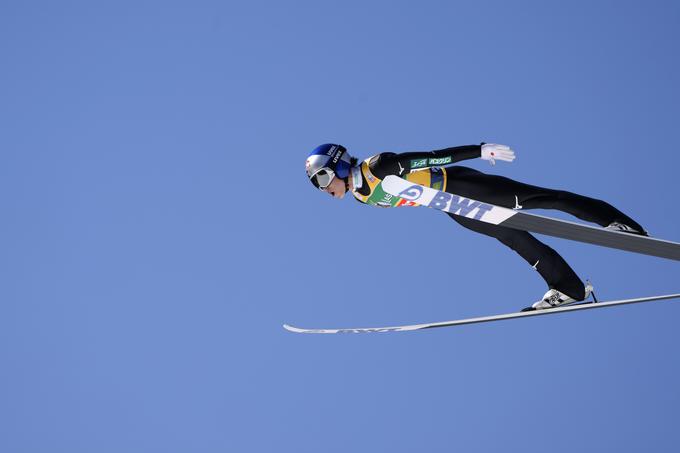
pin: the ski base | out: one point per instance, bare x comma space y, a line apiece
501, 317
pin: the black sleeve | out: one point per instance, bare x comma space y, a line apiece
401, 164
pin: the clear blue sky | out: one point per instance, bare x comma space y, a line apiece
157, 227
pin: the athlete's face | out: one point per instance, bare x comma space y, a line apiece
336, 188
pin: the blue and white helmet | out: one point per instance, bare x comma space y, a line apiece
326, 162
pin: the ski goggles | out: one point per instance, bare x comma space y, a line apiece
322, 178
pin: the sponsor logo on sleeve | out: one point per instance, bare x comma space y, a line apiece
439, 161
431, 162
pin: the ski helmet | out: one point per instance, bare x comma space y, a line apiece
326, 162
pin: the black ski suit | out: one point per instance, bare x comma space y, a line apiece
423, 168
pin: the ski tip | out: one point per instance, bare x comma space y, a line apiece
290, 328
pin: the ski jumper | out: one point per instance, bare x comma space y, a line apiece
424, 168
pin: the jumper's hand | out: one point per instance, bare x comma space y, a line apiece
493, 152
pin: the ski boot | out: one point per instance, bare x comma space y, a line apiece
554, 298
622, 228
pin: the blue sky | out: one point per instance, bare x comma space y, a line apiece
158, 227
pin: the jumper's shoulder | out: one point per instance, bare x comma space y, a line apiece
383, 164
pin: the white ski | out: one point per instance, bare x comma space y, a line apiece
512, 218
431, 325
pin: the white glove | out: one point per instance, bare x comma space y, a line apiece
493, 152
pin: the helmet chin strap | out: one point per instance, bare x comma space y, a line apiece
357, 181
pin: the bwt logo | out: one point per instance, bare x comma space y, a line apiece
412, 193
459, 205
448, 202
